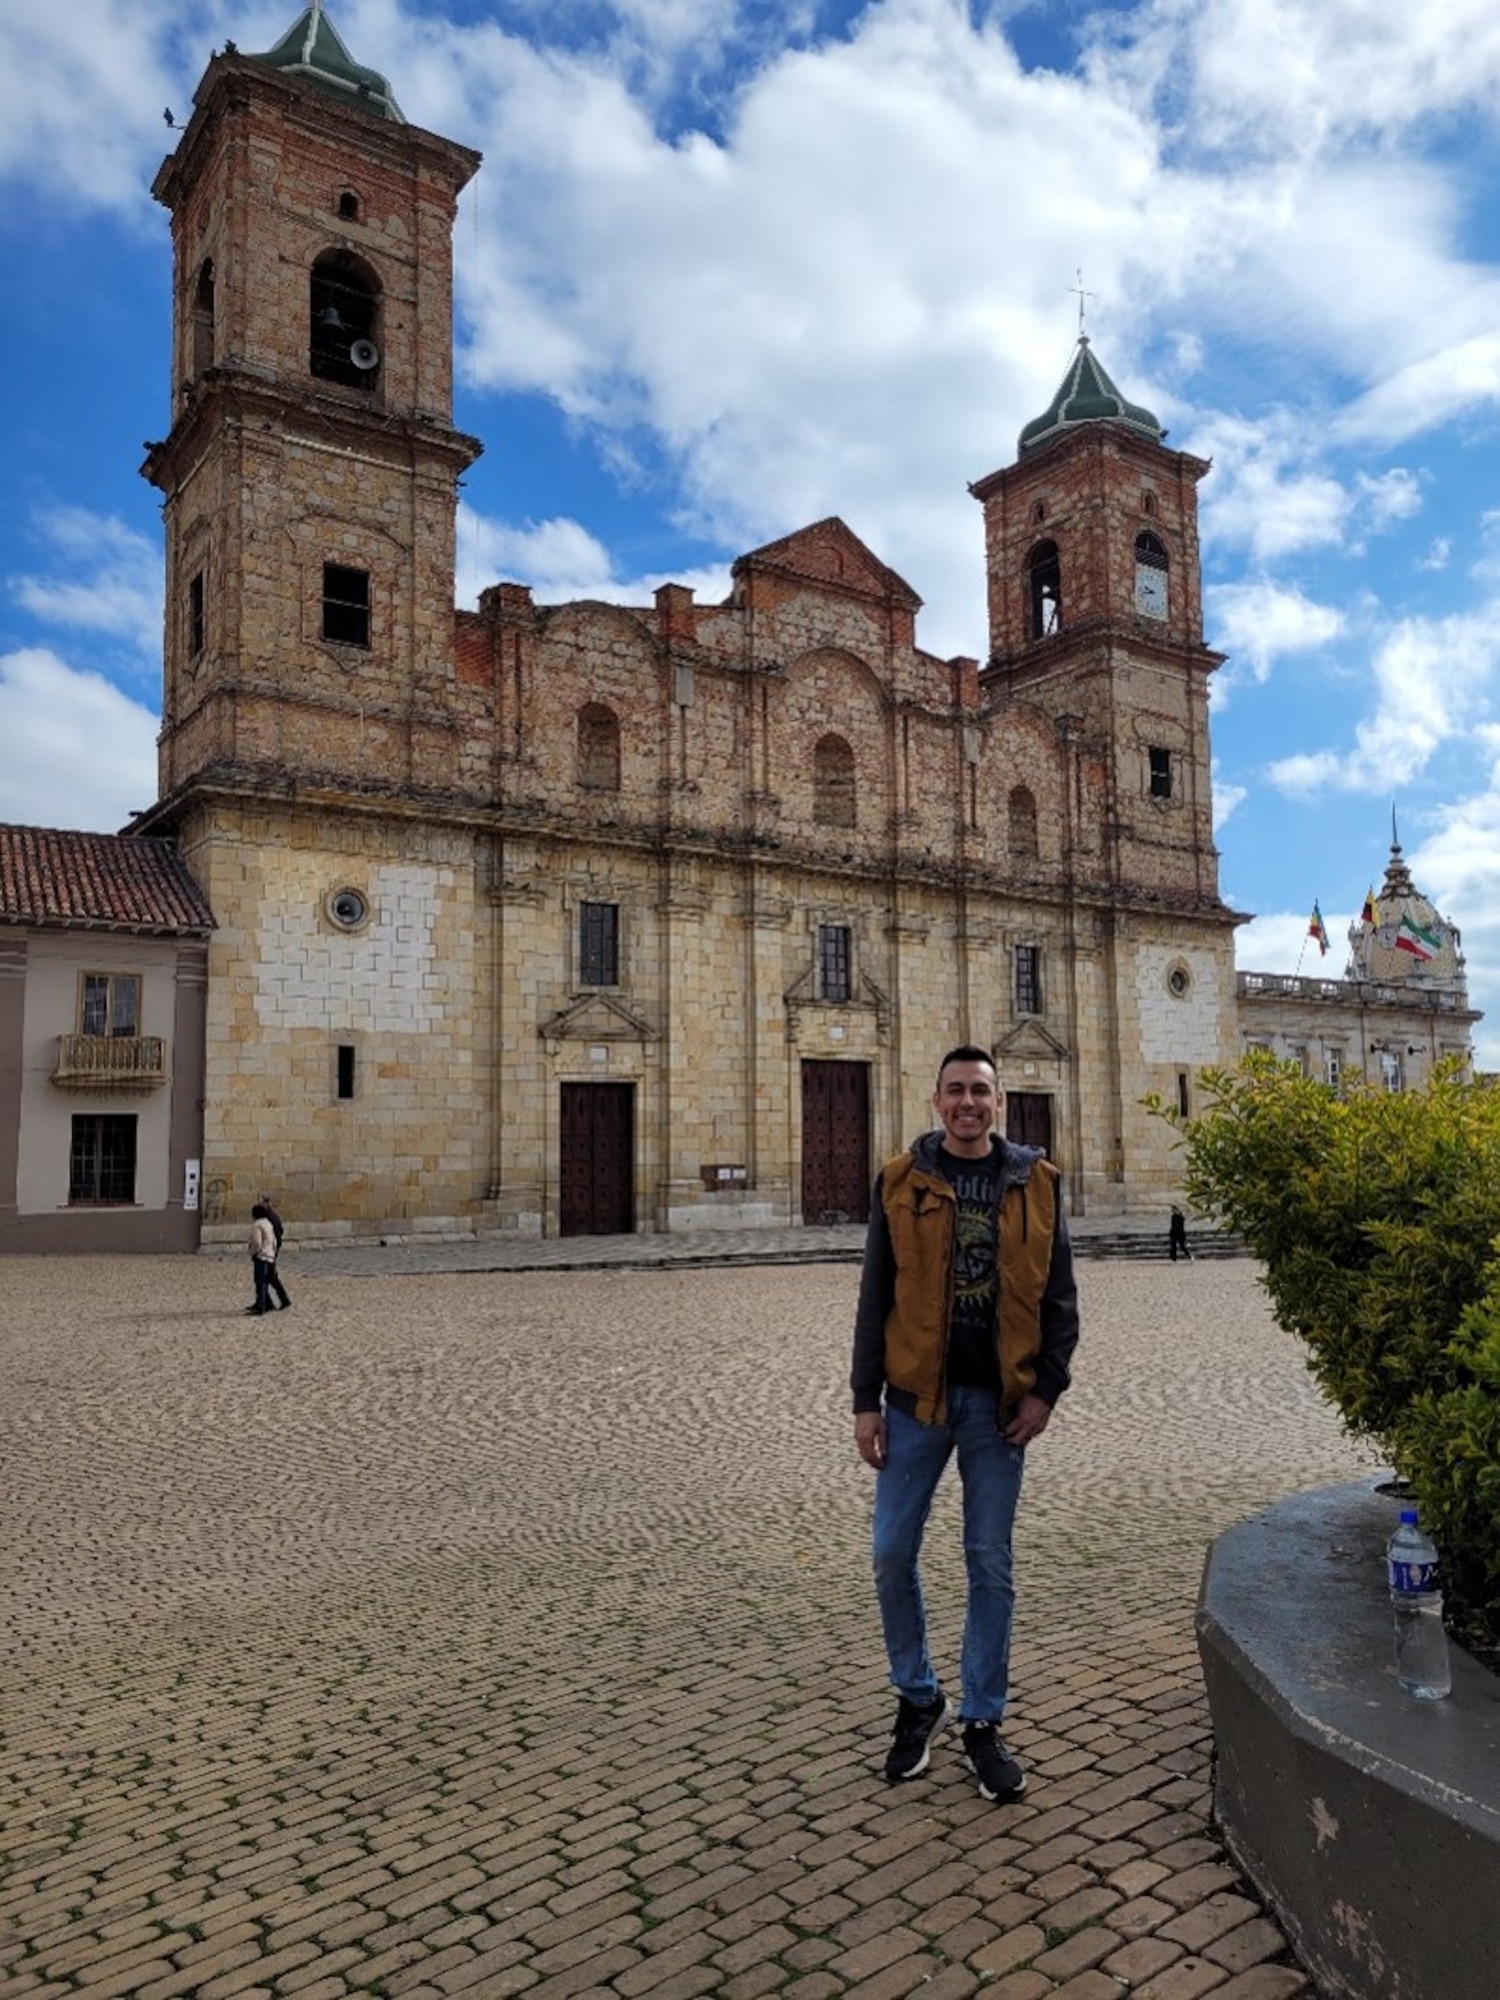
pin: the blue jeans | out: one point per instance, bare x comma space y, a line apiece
990, 1470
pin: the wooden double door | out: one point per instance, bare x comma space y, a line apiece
836, 1169
596, 1172
1028, 1119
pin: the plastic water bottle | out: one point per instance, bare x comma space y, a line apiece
1421, 1643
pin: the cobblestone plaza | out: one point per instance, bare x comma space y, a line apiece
503, 1632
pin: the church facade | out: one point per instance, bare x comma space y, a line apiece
583, 919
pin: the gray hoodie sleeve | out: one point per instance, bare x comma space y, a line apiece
1059, 1316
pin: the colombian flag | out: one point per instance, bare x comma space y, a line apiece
1318, 929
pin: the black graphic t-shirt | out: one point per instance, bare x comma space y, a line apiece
972, 1356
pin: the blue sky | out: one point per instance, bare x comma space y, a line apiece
734, 265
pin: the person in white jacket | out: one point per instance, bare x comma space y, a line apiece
262, 1257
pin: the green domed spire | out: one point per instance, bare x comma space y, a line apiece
1086, 396
311, 48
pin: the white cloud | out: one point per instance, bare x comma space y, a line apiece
1434, 681
1389, 497
1428, 391
561, 561
1458, 866
1438, 554
1279, 942
102, 577
83, 88
71, 736
1305, 773
1259, 622
1303, 75
1267, 496
1227, 797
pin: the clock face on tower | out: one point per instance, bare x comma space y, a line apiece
1150, 591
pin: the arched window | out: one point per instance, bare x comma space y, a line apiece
1150, 576
348, 206
203, 318
598, 747
834, 802
345, 321
1044, 591
1022, 823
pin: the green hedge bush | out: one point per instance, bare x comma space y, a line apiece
1377, 1218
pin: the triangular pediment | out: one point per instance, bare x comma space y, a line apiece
1030, 1038
597, 1017
829, 552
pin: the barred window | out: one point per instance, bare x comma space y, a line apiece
101, 1160
599, 944
1028, 979
834, 961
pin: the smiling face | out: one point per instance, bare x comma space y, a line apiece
967, 1102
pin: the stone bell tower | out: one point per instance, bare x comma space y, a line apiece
310, 472
315, 726
1096, 621
1096, 611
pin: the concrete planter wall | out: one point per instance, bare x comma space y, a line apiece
1369, 1821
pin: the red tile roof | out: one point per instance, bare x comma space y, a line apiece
97, 881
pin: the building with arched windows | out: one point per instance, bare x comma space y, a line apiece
581, 918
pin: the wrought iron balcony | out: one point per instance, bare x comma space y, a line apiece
110, 1062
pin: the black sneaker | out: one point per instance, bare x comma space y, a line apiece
916, 1725
1000, 1776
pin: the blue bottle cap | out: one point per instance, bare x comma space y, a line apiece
1408, 1514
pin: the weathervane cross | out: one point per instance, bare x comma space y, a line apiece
1082, 295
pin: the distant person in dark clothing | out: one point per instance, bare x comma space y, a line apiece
1177, 1236
283, 1297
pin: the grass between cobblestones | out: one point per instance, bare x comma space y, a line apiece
513, 1634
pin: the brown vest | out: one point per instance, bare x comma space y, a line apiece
921, 1213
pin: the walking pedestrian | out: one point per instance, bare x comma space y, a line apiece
283, 1297
963, 1342
262, 1257
1177, 1243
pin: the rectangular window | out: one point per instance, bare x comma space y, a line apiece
1161, 772
1028, 979
101, 1160
1390, 1069
834, 961
1298, 1053
1184, 1100
599, 944
195, 616
1333, 1067
110, 1004
345, 1070
346, 605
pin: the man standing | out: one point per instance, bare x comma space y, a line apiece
966, 1326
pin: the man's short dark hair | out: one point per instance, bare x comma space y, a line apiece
966, 1052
